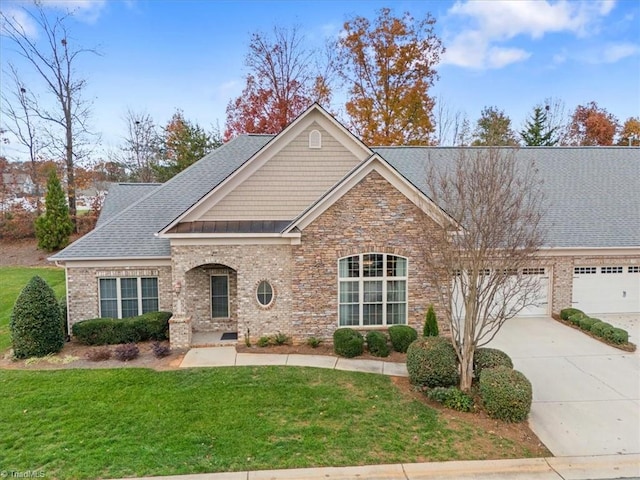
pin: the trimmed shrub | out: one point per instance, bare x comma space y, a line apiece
348, 342
451, 397
62, 303
99, 354
377, 344
430, 324
112, 331
160, 350
432, 362
576, 317
587, 322
565, 313
617, 336
506, 394
126, 352
489, 358
601, 329
402, 336
36, 324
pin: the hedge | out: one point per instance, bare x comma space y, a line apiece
402, 336
586, 323
576, 317
565, 313
432, 362
348, 342
111, 331
377, 344
506, 394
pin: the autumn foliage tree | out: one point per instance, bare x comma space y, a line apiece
494, 129
389, 67
282, 83
592, 125
183, 144
630, 134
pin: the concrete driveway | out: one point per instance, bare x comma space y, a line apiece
586, 395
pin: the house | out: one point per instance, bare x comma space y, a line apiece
309, 230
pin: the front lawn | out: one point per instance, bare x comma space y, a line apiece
136, 422
12, 281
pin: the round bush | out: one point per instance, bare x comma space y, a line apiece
377, 344
402, 336
601, 329
506, 394
489, 358
617, 336
587, 322
36, 323
565, 313
348, 342
432, 362
576, 317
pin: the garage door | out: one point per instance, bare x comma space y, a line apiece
607, 289
540, 305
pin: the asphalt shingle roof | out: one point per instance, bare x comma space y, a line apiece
132, 233
592, 194
120, 196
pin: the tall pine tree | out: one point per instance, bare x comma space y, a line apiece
54, 227
537, 132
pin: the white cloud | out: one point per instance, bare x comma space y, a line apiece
613, 53
22, 20
87, 11
491, 22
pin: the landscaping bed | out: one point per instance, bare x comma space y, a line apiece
627, 346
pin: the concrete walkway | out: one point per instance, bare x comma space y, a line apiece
568, 468
586, 395
228, 357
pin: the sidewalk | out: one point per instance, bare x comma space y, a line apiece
565, 468
228, 357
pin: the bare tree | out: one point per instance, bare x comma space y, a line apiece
140, 150
481, 267
19, 118
449, 125
54, 61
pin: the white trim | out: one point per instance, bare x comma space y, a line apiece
379, 165
590, 251
226, 275
314, 113
119, 263
273, 294
119, 292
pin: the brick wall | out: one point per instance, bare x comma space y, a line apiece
372, 217
82, 288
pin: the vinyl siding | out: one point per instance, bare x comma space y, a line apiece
288, 183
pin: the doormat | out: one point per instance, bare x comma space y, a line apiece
229, 336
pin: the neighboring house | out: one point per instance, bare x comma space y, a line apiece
309, 230
18, 184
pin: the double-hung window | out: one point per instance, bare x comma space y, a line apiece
372, 290
128, 297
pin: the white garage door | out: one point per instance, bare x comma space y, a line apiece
540, 307
608, 289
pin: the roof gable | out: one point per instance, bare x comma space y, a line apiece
284, 177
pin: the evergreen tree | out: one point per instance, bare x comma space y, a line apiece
493, 129
36, 323
430, 324
537, 132
55, 226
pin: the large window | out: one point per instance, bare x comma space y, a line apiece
372, 290
128, 297
219, 296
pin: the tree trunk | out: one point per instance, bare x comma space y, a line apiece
466, 367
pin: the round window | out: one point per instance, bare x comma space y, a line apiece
265, 293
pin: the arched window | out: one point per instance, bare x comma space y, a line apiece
315, 139
372, 290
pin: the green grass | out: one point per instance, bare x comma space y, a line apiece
12, 281
136, 422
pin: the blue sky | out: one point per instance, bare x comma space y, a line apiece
159, 55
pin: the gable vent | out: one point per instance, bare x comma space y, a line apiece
315, 139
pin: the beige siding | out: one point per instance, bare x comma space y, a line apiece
289, 182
